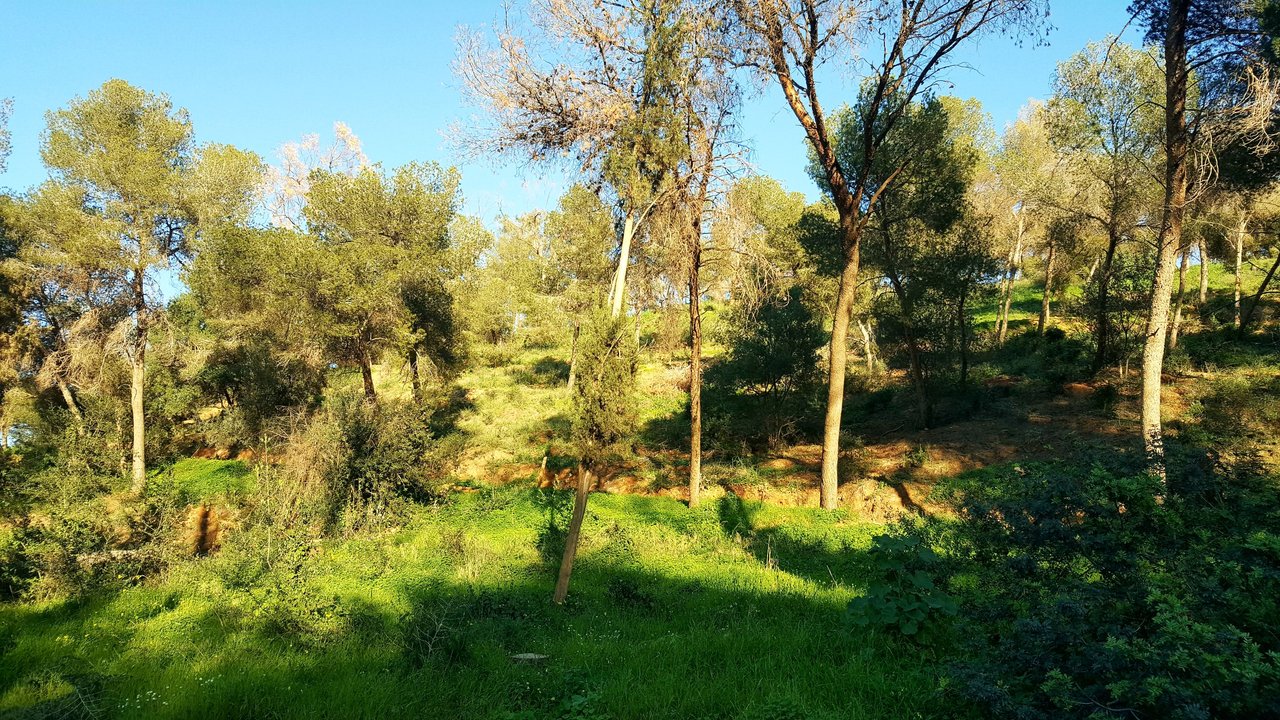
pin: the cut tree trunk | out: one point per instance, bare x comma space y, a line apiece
575, 532
1177, 145
72, 407
1048, 289
1177, 305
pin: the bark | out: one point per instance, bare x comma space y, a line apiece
838, 356
366, 373
571, 538
1177, 144
1204, 272
1257, 296
413, 376
1048, 289
1177, 305
619, 290
695, 363
137, 383
1104, 301
72, 407
573, 355
695, 379
1015, 261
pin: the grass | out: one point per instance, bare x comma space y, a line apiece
200, 479
730, 610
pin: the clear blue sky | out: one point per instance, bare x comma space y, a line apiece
260, 73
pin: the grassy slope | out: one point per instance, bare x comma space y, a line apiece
674, 614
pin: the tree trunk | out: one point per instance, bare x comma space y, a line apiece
575, 531
1257, 296
413, 376
72, 407
1104, 300
1048, 289
868, 346
695, 368
1204, 272
1015, 261
1239, 267
573, 355
366, 373
619, 289
838, 357
1177, 305
1177, 144
136, 385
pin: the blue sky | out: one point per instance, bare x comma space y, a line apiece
258, 74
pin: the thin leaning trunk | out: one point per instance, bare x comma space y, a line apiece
1257, 296
1048, 289
1177, 144
72, 407
1104, 301
838, 359
1015, 261
868, 346
575, 532
1177, 305
619, 288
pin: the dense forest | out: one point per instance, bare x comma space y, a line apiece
985, 425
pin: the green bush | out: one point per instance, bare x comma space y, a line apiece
905, 596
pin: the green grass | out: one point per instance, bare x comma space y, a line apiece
201, 479
723, 611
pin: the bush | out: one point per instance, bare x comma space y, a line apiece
904, 597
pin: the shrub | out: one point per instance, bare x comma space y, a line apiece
904, 596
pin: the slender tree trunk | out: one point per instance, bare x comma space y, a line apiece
868, 346
573, 355
1093, 269
838, 357
366, 373
1177, 144
1239, 267
138, 381
1177, 305
1104, 301
1204, 271
1015, 261
72, 407
1257, 296
695, 366
619, 289
413, 376
575, 531
137, 384
1048, 289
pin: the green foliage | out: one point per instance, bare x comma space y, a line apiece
765, 391
905, 595
603, 400
1127, 301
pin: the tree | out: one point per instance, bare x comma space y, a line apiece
1104, 125
786, 43
1211, 49
382, 240
125, 159
580, 231
6, 109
